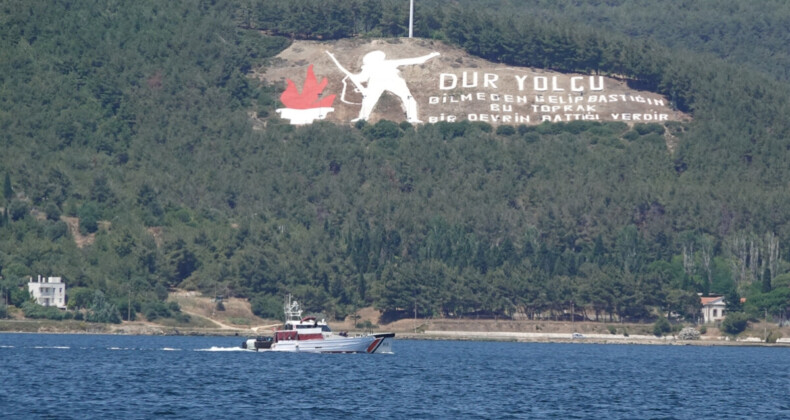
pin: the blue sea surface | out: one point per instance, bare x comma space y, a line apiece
143, 377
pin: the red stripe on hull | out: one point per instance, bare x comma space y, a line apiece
318, 336
373, 345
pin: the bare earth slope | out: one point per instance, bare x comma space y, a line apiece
447, 84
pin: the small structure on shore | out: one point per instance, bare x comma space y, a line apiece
48, 291
712, 308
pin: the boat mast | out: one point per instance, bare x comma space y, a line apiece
292, 310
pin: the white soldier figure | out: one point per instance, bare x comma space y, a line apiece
382, 75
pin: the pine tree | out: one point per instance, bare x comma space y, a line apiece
767, 281
8, 192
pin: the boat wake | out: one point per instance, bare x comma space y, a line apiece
215, 348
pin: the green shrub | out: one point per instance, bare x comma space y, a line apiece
505, 130
151, 314
579, 126
80, 297
128, 313
266, 306
18, 209
612, 329
89, 218
3, 310
452, 130
173, 306
661, 327
483, 126
35, 311
182, 317
631, 135
383, 129
734, 323
102, 310
154, 310
609, 129
549, 128
18, 296
57, 230
52, 211
653, 139
643, 129
703, 330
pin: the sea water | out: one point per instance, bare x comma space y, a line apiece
143, 377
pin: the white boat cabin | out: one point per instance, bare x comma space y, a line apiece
298, 328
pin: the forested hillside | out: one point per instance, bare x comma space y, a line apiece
746, 34
133, 118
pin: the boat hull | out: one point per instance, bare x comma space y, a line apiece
373, 343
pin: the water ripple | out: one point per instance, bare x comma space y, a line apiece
82, 376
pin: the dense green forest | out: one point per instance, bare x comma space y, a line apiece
133, 117
738, 32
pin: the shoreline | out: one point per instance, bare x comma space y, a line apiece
586, 339
45, 327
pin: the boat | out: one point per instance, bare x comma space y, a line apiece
310, 335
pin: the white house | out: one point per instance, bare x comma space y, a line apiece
48, 291
713, 309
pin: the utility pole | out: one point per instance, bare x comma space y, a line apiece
411, 18
765, 326
415, 316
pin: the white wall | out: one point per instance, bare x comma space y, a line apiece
48, 291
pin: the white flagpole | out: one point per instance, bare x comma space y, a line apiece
411, 18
